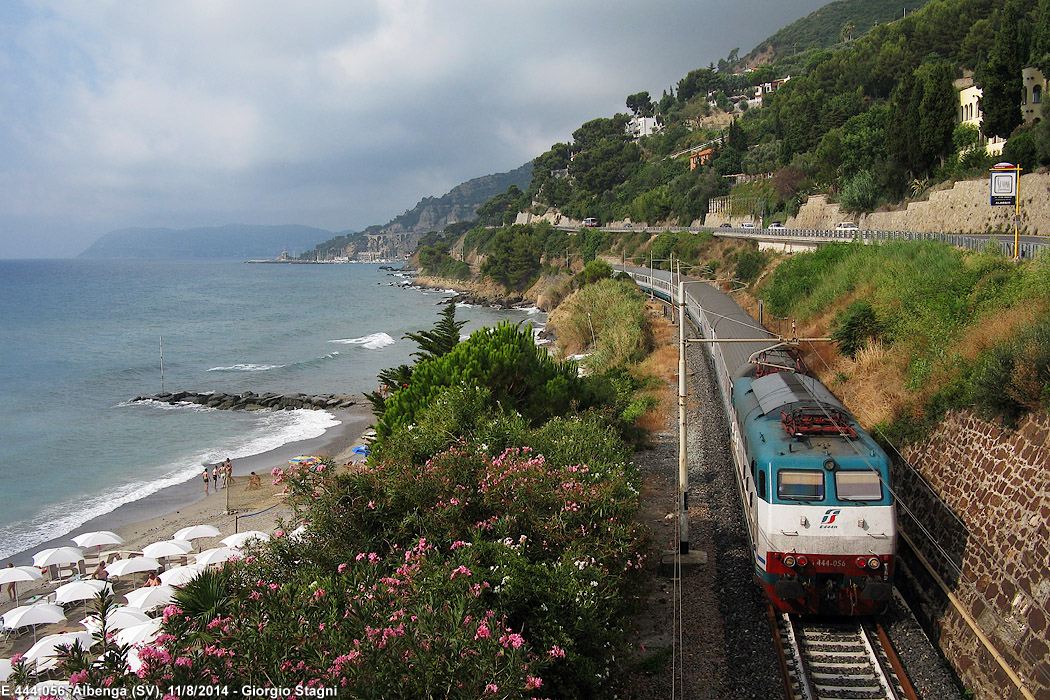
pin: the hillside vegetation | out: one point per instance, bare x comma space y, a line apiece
921, 328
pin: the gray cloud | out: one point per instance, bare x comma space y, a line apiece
327, 113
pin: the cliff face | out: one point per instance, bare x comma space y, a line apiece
399, 237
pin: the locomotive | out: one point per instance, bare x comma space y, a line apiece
814, 486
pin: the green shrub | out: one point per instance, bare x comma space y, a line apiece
855, 327
519, 375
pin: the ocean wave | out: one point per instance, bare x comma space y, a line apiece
375, 341
271, 430
245, 367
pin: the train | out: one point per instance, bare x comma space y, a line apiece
814, 486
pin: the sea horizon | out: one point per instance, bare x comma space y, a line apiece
90, 336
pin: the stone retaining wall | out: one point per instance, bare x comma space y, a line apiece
963, 208
984, 496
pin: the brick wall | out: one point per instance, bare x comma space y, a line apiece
983, 493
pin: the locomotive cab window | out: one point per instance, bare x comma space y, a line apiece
858, 486
800, 485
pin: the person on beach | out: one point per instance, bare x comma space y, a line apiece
153, 580
11, 585
205, 481
100, 573
229, 472
254, 483
215, 478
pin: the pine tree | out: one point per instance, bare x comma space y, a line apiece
1000, 76
442, 338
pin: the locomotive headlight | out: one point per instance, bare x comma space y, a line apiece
802, 561
789, 561
874, 563
861, 562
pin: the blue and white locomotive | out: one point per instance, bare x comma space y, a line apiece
815, 487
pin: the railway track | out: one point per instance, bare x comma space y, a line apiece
851, 659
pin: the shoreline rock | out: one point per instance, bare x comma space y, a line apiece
250, 401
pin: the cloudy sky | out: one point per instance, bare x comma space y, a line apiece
332, 113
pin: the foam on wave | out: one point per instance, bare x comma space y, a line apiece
375, 341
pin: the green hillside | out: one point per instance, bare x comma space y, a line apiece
870, 121
834, 24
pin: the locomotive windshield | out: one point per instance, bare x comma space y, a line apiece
800, 485
858, 486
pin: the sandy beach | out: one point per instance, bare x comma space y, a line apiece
157, 517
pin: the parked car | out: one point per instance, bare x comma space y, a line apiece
776, 224
747, 224
727, 225
847, 226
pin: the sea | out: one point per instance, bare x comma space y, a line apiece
82, 338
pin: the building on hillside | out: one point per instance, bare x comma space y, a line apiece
765, 89
969, 110
701, 158
643, 126
1033, 86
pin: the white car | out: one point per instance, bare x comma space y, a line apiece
776, 225
847, 226
747, 224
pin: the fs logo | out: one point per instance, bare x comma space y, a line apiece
829, 517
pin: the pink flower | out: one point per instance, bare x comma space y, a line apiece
483, 632
532, 682
491, 688
319, 593
342, 567
169, 611
78, 677
278, 533
556, 652
460, 570
371, 505
184, 661
512, 640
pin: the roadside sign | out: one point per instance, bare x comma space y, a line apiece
1004, 185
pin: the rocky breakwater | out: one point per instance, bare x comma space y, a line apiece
250, 401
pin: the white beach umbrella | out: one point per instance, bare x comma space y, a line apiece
117, 620
149, 597
58, 555
47, 646
39, 614
135, 565
33, 615
142, 632
196, 531
78, 590
216, 555
239, 539
97, 538
181, 574
14, 574
167, 548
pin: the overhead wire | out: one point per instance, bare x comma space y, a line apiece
937, 545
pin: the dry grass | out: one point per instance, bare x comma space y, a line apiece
870, 385
993, 329
661, 363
